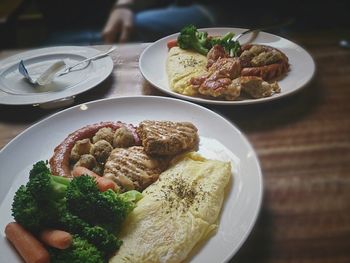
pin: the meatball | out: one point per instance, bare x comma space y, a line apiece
123, 138
105, 133
88, 161
80, 147
101, 150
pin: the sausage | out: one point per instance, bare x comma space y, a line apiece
59, 162
56, 238
266, 72
31, 250
103, 184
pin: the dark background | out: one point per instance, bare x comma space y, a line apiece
27, 23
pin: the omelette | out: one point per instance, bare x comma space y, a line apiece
181, 66
176, 213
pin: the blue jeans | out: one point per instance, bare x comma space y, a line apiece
150, 25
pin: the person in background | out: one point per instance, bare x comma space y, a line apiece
150, 20
82, 22
89, 22
106, 21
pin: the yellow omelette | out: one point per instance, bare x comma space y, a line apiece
181, 66
177, 212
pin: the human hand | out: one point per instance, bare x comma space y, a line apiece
120, 21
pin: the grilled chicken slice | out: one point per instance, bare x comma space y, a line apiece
220, 87
218, 82
131, 168
214, 54
166, 138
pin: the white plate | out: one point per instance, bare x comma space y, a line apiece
15, 90
241, 205
302, 67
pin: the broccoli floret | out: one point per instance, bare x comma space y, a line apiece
231, 47
38, 168
86, 201
71, 223
80, 251
76, 206
45, 186
37, 204
105, 242
26, 210
191, 38
116, 207
82, 195
48, 190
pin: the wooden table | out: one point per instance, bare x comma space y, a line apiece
303, 143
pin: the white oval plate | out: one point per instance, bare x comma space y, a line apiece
302, 67
15, 90
242, 202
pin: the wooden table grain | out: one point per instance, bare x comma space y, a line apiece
302, 141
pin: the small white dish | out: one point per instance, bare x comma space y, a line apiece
242, 201
16, 90
302, 67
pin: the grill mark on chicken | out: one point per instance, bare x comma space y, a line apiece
166, 137
219, 80
59, 162
133, 168
134, 164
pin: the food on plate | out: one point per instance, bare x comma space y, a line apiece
177, 212
56, 238
219, 80
166, 138
31, 250
231, 71
191, 38
124, 137
103, 184
80, 251
60, 161
132, 157
49, 202
131, 168
263, 61
181, 66
256, 87
153, 200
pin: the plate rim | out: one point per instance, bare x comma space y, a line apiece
222, 102
260, 181
52, 50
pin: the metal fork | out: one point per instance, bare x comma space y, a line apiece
53, 71
256, 30
88, 61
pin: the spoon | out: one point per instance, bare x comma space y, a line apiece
49, 74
